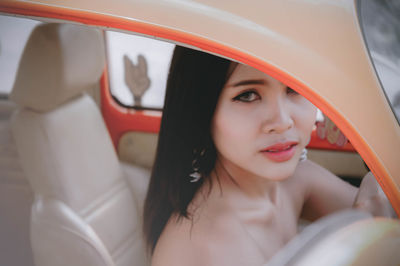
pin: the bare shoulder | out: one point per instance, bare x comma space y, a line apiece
323, 191
299, 183
308, 170
314, 176
206, 241
309, 174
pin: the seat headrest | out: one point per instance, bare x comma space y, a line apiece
59, 62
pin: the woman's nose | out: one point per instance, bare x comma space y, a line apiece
278, 118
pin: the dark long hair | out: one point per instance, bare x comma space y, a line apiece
194, 84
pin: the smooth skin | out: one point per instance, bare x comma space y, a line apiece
254, 205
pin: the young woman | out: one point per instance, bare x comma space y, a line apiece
230, 180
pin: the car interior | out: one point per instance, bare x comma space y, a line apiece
67, 190
78, 186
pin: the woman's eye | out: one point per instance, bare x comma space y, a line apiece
291, 91
248, 96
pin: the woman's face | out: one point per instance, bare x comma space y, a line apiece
260, 126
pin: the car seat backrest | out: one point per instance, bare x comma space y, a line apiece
59, 62
84, 211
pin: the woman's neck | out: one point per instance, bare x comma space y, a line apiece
236, 182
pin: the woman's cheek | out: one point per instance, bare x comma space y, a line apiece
226, 130
307, 113
305, 116
229, 131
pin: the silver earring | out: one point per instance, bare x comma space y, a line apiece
196, 175
303, 155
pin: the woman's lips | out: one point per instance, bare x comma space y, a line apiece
280, 152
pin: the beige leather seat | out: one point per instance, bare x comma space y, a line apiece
84, 211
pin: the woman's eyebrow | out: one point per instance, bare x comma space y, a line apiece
250, 82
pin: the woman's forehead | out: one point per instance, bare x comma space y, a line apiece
245, 72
